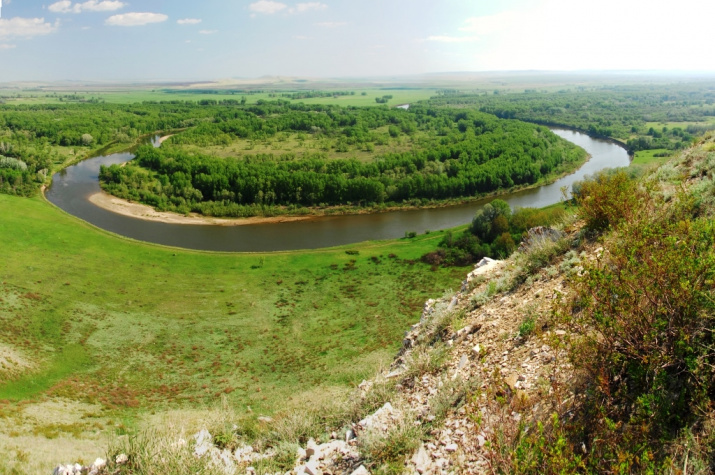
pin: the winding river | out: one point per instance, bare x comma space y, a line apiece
72, 187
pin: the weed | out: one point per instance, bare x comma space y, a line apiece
386, 452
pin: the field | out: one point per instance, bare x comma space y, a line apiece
301, 144
655, 157
117, 330
128, 96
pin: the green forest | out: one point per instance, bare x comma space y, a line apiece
466, 154
625, 113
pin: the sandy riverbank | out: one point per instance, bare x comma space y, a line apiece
140, 211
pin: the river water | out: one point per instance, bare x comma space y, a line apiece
72, 187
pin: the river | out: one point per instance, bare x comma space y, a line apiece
72, 187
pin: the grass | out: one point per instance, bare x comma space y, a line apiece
124, 96
307, 144
138, 328
648, 158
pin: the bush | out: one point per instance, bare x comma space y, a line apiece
647, 309
607, 199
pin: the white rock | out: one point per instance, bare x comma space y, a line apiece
312, 448
451, 448
121, 459
265, 419
312, 469
349, 435
361, 470
481, 440
421, 460
204, 443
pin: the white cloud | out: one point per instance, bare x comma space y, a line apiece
304, 7
6, 46
26, 27
268, 7
66, 6
136, 19
189, 21
207, 32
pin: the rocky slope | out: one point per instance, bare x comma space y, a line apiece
479, 363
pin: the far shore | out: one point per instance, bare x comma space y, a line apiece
147, 213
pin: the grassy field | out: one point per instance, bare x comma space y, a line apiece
129, 329
400, 96
307, 144
648, 158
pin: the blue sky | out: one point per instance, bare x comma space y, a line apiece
208, 39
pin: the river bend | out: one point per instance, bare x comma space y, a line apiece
72, 187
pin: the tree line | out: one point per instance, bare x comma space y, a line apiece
472, 154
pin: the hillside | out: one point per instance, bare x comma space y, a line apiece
588, 350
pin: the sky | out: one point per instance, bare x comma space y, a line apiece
181, 40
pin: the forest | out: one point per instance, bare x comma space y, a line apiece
625, 113
464, 154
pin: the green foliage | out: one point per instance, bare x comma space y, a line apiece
646, 311
620, 112
484, 156
385, 453
494, 232
491, 220
607, 199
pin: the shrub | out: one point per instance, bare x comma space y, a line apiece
647, 309
607, 199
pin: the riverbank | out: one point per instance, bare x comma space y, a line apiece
147, 213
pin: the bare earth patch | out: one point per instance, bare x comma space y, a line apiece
12, 363
140, 211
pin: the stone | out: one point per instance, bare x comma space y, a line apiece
421, 460
312, 469
311, 448
560, 332
265, 419
361, 470
462, 362
451, 448
121, 459
481, 440
349, 435
477, 350
511, 381
204, 443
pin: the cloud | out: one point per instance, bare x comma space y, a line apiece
4, 46
66, 6
452, 39
189, 21
26, 27
267, 7
331, 24
304, 7
136, 19
207, 32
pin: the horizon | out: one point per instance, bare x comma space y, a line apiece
156, 41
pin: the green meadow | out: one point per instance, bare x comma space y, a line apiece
272, 92
135, 327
